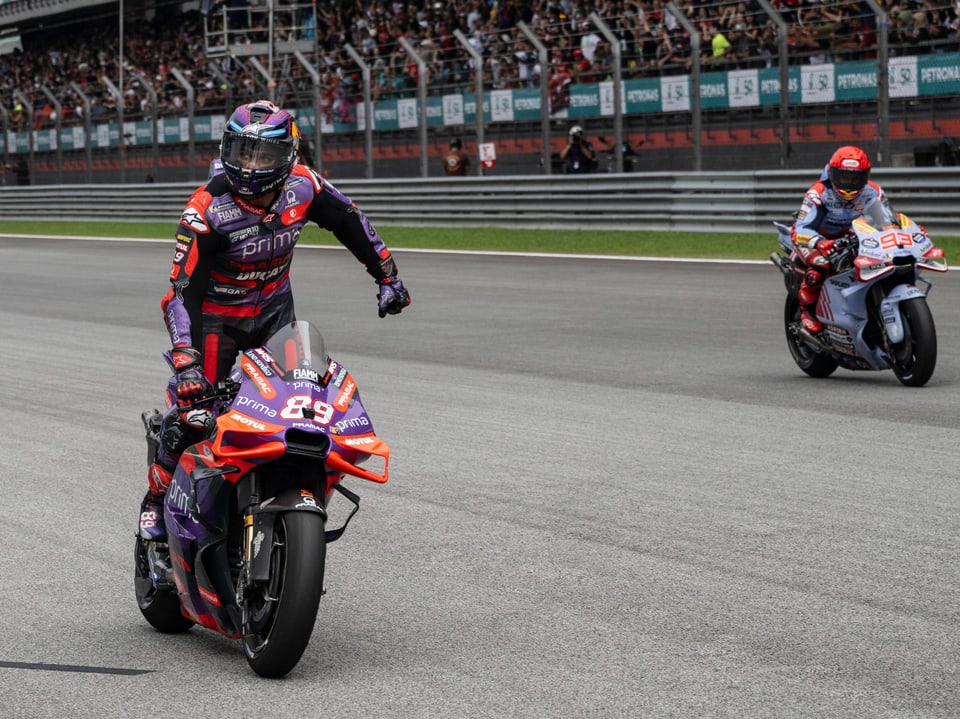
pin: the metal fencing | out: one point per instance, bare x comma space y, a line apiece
696, 201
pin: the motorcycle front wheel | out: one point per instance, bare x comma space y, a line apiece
280, 614
814, 363
915, 358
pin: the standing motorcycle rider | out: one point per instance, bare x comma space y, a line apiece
230, 280
842, 194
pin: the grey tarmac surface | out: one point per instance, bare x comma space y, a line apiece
612, 494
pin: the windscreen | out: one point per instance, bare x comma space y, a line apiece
298, 351
878, 216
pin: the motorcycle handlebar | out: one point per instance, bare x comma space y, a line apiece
226, 389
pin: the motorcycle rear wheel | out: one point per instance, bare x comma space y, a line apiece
160, 606
915, 358
814, 363
277, 632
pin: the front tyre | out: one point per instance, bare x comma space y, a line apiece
915, 358
281, 613
811, 361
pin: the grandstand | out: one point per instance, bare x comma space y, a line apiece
65, 97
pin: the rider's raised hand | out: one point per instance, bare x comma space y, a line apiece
393, 297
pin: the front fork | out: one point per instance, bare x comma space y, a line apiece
892, 326
258, 531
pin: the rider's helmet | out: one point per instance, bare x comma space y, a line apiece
259, 148
576, 130
455, 142
848, 172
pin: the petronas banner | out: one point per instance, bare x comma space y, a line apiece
923, 76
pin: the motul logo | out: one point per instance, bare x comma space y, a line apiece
243, 419
358, 440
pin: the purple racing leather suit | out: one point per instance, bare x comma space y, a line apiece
230, 280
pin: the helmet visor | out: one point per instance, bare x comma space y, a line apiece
255, 154
849, 181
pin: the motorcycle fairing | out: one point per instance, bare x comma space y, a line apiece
842, 308
352, 450
215, 588
242, 436
200, 491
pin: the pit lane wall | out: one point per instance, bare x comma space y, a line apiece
696, 201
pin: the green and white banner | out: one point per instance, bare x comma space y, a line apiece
923, 76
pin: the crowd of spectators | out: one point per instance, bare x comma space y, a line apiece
72, 60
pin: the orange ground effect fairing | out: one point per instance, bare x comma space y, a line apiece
364, 444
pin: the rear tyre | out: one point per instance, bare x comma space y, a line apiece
811, 361
159, 605
915, 358
277, 632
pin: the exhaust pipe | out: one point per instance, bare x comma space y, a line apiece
811, 339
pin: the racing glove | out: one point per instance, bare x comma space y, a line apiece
825, 247
811, 254
192, 384
393, 296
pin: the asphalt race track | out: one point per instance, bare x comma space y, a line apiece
612, 494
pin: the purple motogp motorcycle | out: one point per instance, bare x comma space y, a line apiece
246, 513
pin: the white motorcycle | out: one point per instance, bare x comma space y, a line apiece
874, 314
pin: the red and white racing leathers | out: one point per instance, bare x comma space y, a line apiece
824, 215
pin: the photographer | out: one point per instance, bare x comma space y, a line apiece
578, 154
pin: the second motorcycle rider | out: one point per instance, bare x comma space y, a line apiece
230, 280
841, 195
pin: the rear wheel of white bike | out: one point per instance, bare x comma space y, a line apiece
808, 359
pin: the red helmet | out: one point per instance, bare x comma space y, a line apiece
848, 172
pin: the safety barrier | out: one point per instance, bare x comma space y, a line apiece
704, 201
